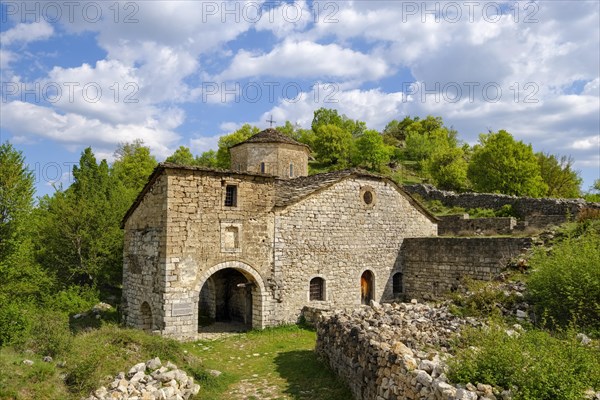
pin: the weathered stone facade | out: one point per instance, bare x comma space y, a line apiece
271, 153
255, 248
434, 266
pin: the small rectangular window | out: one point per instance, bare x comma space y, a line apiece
291, 170
262, 167
231, 196
317, 291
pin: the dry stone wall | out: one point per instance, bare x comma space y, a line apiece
395, 352
336, 235
456, 224
524, 206
434, 266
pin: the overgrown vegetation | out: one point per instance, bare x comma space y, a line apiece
549, 360
88, 358
565, 283
534, 364
439, 209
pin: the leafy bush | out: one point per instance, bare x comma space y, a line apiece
74, 299
15, 321
565, 282
50, 334
533, 364
482, 299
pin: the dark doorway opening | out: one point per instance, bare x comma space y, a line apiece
366, 287
226, 297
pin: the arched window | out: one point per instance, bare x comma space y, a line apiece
366, 287
291, 170
397, 284
317, 289
262, 167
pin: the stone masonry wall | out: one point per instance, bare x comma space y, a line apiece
433, 266
395, 352
144, 258
524, 206
336, 236
455, 224
276, 156
205, 236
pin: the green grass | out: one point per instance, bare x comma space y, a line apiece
277, 363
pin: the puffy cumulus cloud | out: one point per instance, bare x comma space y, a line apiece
588, 143
374, 106
193, 26
305, 59
200, 144
283, 19
27, 32
34, 121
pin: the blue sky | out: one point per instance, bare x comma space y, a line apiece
78, 73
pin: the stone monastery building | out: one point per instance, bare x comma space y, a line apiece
257, 243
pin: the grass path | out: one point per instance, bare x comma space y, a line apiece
277, 363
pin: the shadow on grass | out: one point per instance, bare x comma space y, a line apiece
309, 378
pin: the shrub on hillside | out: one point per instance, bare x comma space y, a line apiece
565, 283
15, 321
50, 334
533, 364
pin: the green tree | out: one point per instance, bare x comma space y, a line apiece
424, 137
325, 116
16, 198
333, 146
133, 165
448, 169
559, 175
207, 159
371, 151
79, 235
182, 156
500, 164
395, 131
21, 278
226, 141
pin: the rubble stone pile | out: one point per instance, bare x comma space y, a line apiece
149, 381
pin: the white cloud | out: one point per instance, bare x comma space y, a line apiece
592, 142
200, 144
306, 59
27, 32
73, 129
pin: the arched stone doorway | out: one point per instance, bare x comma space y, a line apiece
146, 317
231, 293
367, 287
227, 297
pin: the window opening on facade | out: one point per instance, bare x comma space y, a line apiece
317, 289
231, 196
